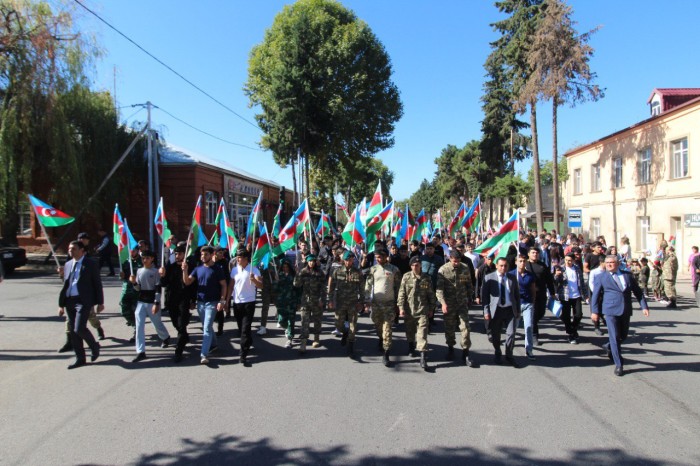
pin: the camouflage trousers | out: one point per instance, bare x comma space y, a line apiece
417, 330
451, 319
265, 298
383, 316
311, 313
94, 321
670, 289
349, 313
286, 317
127, 303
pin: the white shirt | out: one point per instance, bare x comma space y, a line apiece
504, 279
621, 277
74, 274
593, 276
243, 288
572, 283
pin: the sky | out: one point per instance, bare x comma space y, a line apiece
437, 51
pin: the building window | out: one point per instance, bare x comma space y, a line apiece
644, 166
655, 108
577, 181
642, 233
595, 178
25, 218
617, 172
212, 200
679, 161
595, 227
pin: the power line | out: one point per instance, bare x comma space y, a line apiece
204, 132
166, 66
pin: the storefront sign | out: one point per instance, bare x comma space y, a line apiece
242, 187
692, 220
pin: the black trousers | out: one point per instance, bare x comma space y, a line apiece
108, 261
244, 312
540, 307
571, 308
77, 322
503, 317
180, 317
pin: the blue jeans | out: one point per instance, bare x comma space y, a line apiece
528, 312
207, 314
144, 310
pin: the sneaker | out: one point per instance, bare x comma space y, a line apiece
573, 341
204, 361
336, 333
530, 356
289, 344
279, 325
165, 343
262, 330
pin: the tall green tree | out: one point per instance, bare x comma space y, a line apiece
323, 83
559, 58
426, 197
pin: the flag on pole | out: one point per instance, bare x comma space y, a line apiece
261, 256
437, 224
472, 218
396, 228
456, 222
503, 237
219, 237
276, 223
376, 223
162, 225
292, 229
122, 236
375, 205
196, 237
324, 226
47, 215
354, 232
421, 230
253, 220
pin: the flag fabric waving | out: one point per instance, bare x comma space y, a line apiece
505, 235
253, 221
471, 219
276, 223
292, 229
196, 237
122, 237
162, 225
261, 256
375, 205
47, 215
375, 224
324, 225
456, 222
354, 232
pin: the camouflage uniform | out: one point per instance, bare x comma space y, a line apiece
312, 284
266, 294
286, 301
670, 270
454, 287
129, 294
345, 290
381, 290
417, 299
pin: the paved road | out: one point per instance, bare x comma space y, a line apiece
565, 408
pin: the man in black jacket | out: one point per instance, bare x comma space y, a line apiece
544, 282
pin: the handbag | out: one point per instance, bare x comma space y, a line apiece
554, 307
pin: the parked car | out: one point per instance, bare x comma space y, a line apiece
11, 256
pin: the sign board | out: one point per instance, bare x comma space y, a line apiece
575, 218
692, 220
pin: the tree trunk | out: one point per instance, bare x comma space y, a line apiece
491, 212
295, 203
536, 167
306, 177
555, 165
502, 209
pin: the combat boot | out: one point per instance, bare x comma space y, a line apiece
450, 353
302, 346
68, 346
100, 333
385, 359
351, 349
466, 360
344, 338
411, 348
316, 342
380, 346
423, 361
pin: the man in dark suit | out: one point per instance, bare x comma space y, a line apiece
500, 297
82, 289
612, 296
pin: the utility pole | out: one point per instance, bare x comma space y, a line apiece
150, 176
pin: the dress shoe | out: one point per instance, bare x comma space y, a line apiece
95, 353
598, 332
498, 359
385, 359
530, 356
467, 360
178, 358
66, 348
133, 338
139, 357
449, 356
618, 371
244, 361
423, 361
344, 338
100, 333
165, 343
510, 360
77, 364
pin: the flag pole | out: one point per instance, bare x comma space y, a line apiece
128, 245
162, 213
48, 240
272, 256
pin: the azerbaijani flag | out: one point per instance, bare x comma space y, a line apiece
375, 205
196, 238
122, 237
396, 228
324, 225
47, 215
437, 224
456, 221
252, 221
472, 218
219, 237
421, 231
162, 225
376, 223
354, 232
261, 256
293, 228
276, 224
502, 238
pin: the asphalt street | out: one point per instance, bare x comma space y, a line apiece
567, 407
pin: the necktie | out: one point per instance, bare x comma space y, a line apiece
502, 301
617, 280
70, 278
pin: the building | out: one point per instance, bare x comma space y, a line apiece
643, 181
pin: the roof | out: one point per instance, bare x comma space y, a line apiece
689, 103
173, 155
675, 91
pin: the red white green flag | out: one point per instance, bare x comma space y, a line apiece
507, 234
47, 215
196, 238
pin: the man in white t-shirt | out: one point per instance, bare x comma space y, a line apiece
242, 289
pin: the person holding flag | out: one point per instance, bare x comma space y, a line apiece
177, 298
245, 278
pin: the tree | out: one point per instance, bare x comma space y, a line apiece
547, 173
323, 82
426, 197
559, 59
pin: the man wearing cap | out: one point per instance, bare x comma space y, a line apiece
177, 298
325, 255
129, 295
670, 269
345, 297
312, 282
244, 280
454, 292
381, 292
416, 301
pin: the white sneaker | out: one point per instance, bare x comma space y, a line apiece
289, 344
279, 325
262, 331
336, 333
204, 361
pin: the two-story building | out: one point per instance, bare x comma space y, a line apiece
643, 182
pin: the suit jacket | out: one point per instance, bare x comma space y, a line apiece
491, 293
89, 283
607, 297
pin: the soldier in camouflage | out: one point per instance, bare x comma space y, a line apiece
381, 291
670, 269
312, 282
286, 300
416, 303
345, 297
454, 291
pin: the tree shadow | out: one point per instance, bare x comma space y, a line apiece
233, 449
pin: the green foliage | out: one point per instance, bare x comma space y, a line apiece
511, 187
546, 176
427, 197
323, 82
